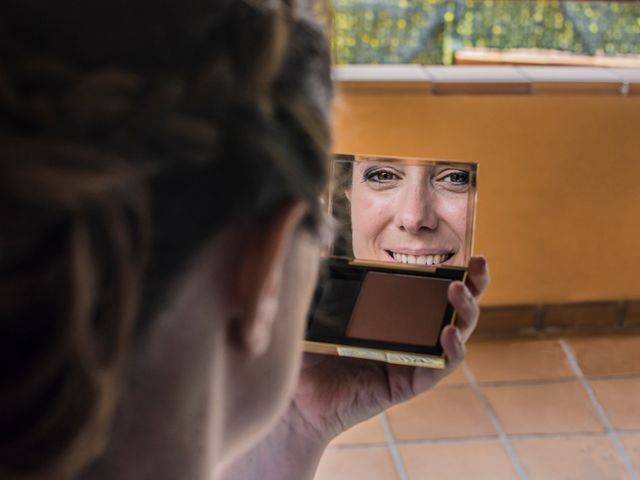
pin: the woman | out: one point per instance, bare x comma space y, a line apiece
160, 169
409, 213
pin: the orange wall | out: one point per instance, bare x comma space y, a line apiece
558, 193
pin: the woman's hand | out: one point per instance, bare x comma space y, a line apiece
335, 393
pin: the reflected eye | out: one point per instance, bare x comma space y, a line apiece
454, 180
457, 178
380, 175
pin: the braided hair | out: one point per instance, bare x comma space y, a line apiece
130, 132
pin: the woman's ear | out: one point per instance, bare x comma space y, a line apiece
256, 282
347, 193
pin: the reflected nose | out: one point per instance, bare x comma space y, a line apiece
416, 212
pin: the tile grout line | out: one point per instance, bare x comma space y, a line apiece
614, 376
515, 461
610, 431
540, 381
393, 448
524, 383
480, 439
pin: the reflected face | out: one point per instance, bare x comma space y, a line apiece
414, 214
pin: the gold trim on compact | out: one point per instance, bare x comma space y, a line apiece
388, 356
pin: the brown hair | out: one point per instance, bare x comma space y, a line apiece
130, 132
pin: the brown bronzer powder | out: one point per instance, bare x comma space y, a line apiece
399, 308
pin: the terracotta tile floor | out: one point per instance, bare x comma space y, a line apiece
566, 408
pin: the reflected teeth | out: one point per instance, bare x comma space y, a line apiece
420, 259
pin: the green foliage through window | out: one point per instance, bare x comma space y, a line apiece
430, 31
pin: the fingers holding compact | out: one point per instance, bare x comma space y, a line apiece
467, 309
478, 276
464, 297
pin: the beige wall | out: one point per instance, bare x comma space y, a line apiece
558, 196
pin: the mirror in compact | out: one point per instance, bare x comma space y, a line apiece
404, 233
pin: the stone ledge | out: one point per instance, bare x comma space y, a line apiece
494, 80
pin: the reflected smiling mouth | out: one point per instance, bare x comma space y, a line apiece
435, 259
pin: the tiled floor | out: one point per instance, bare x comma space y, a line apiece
548, 409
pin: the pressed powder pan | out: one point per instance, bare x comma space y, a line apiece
399, 308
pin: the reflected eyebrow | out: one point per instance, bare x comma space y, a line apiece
369, 165
445, 168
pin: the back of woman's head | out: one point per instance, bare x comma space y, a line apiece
130, 132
